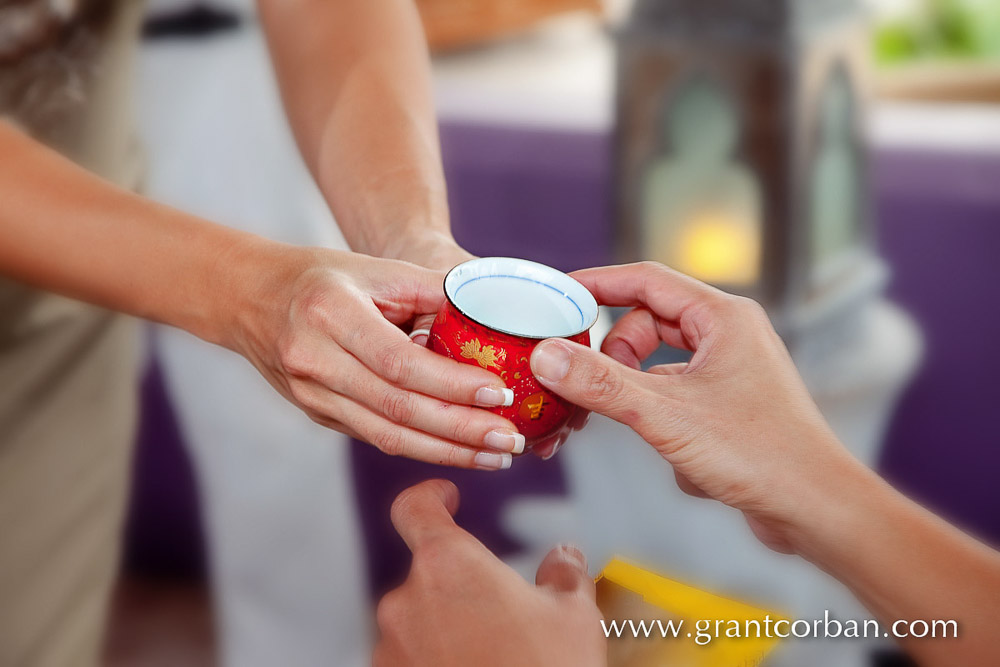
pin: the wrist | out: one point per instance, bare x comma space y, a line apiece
832, 508
431, 248
413, 239
249, 291
808, 494
384, 211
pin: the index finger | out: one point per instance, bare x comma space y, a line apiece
670, 295
425, 511
666, 292
390, 353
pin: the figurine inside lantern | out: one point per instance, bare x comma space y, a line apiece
700, 207
741, 153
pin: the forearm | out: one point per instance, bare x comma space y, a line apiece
355, 79
67, 231
904, 563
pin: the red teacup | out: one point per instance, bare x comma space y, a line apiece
497, 310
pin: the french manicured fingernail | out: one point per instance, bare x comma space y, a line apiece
492, 397
550, 361
491, 461
505, 440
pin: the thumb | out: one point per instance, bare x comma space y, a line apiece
590, 379
425, 511
402, 290
564, 570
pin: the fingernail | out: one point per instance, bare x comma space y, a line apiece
555, 448
417, 333
550, 361
574, 553
505, 440
491, 461
492, 397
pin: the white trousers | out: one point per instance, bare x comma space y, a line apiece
286, 552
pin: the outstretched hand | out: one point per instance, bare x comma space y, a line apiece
460, 605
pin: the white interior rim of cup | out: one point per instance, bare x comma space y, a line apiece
522, 269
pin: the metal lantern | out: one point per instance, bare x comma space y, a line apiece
741, 151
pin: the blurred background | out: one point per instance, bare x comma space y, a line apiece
839, 161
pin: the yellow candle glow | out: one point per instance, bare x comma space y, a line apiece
719, 250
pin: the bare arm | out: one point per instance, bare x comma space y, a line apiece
904, 563
322, 326
738, 425
355, 78
64, 230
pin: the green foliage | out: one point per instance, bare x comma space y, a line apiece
943, 29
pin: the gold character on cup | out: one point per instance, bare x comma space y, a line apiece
533, 407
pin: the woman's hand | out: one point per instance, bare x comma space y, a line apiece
736, 422
460, 605
737, 425
433, 250
324, 328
